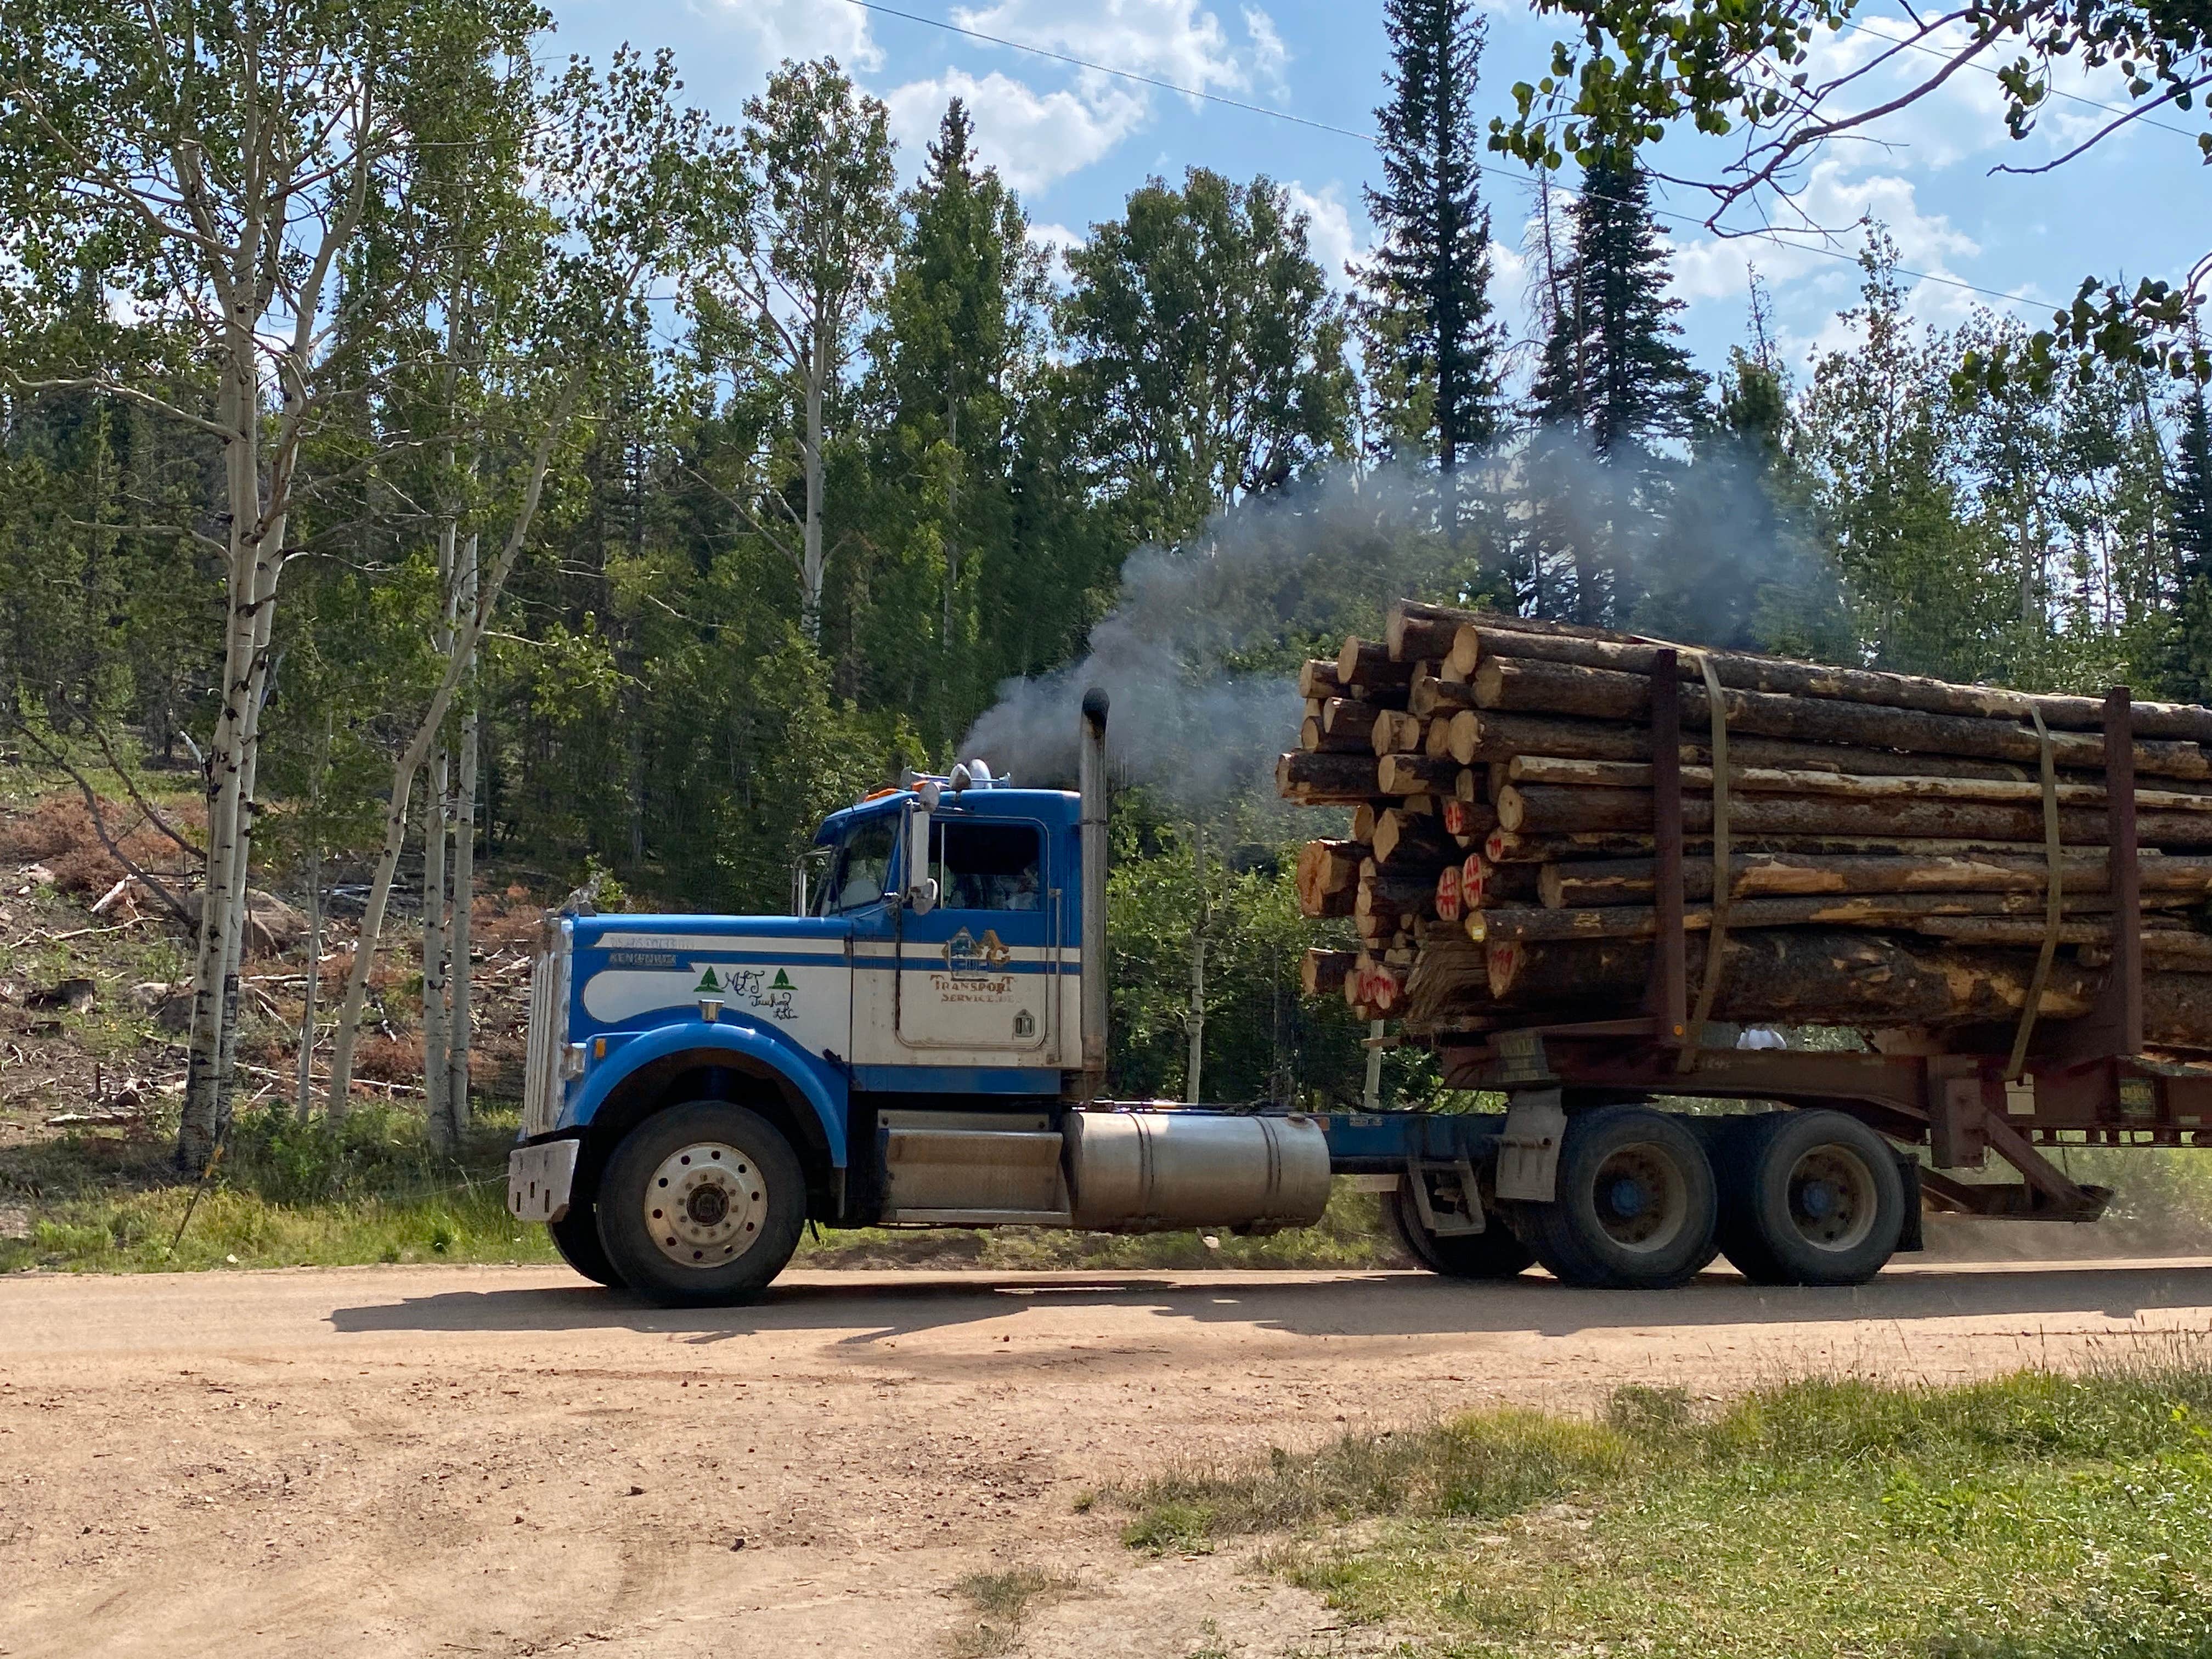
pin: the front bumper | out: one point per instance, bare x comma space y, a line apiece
539, 1179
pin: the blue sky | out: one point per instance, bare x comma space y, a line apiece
1075, 143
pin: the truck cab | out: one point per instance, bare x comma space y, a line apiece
916, 1044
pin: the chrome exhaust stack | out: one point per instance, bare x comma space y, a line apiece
1091, 781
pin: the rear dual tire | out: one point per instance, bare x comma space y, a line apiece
1636, 1206
1493, 1253
1808, 1198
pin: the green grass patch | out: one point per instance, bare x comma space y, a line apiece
284, 1193
2037, 1517
1002, 1600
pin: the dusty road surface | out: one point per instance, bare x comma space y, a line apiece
438, 1460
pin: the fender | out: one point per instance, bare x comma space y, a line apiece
821, 1086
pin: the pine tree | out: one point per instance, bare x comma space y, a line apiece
962, 327
1433, 343
2189, 490
1614, 374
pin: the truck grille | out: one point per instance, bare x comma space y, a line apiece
549, 1034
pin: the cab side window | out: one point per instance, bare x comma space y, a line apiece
863, 867
988, 867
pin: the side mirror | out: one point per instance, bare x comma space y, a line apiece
920, 885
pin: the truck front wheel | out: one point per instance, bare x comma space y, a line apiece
701, 1205
576, 1236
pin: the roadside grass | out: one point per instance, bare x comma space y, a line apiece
1002, 1601
284, 1193
367, 1189
1350, 1234
2039, 1516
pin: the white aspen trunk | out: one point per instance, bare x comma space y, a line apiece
436, 831
304, 1089
418, 748
201, 1121
464, 887
810, 570
267, 559
435, 1058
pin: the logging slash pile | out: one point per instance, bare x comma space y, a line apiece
1900, 853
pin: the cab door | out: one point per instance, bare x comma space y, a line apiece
980, 972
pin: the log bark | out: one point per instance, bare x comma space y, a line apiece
1539, 809
1413, 633
1322, 973
1328, 874
1534, 926
1318, 678
1773, 875
1325, 779
1403, 838
1393, 732
1525, 685
1774, 780
1429, 696
1481, 737
1316, 738
1450, 976
1794, 977
1348, 717
1368, 663
1472, 643
1393, 898
1416, 775
1502, 847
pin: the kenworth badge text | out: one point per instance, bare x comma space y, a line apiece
923, 1043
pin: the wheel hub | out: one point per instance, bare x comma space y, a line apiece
704, 1207
1832, 1198
1642, 1200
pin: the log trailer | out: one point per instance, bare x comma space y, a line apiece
923, 1043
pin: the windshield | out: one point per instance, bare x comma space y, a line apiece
861, 867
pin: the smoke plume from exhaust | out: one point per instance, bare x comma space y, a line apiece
1277, 577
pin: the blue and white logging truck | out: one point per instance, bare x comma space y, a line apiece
922, 1043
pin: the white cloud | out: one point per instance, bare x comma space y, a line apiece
1329, 230
1270, 56
1713, 268
1031, 137
804, 28
1173, 40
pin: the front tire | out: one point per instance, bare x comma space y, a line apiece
576, 1236
1493, 1253
1635, 1208
701, 1205
1809, 1197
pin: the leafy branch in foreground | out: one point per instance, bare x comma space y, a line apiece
1762, 71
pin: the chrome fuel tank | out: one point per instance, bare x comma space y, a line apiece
1145, 1171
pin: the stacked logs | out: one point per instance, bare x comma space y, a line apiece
1888, 851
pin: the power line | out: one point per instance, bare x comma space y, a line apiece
1778, 239
2070, 97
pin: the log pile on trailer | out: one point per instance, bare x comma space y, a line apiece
1536, 806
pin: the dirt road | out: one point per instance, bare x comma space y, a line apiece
425, 1460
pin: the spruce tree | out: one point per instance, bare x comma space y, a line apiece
1432, 341
1615, 378
2189, 489
962, 323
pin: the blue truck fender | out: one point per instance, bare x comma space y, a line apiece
751, 1050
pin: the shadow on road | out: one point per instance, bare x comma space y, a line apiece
876, 1306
